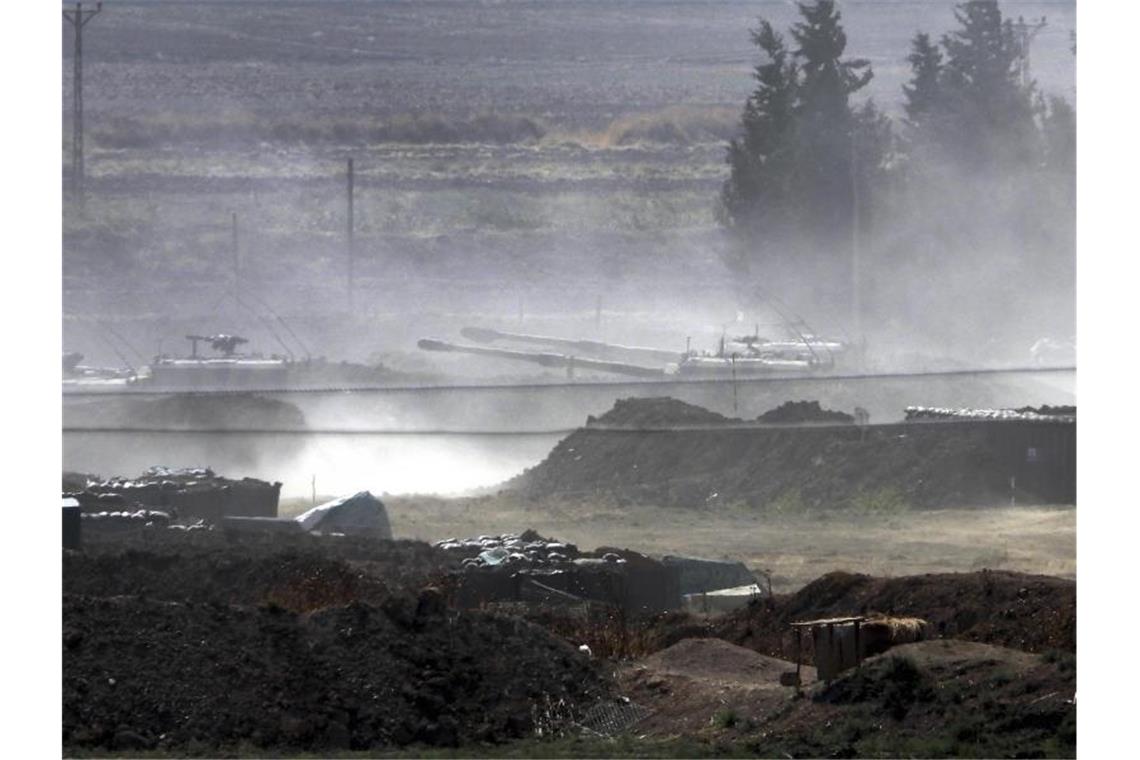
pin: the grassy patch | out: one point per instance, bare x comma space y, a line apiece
888, 500
789, 503
725, 718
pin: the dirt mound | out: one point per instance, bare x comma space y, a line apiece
941, 698
796, 469
698, 686
719, 660
656, 412
301, 578
803, 411
204, 643
293, 580
930, 699
216, 643
190, 678
1032, 613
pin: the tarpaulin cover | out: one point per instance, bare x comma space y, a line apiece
359, 513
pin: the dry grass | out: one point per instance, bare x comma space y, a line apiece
881, 633
904, 630
795, 550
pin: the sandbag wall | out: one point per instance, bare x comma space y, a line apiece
205, 499
529, 568
636, 587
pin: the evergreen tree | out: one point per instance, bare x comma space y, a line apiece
756, 191
827, 80
990, 167
825, 120
923, 92
874, 151
792, 179
1059, 125
989, 111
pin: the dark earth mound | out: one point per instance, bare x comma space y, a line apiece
215, 643
665, 452
654, 412
301, 572
930, 699
1032, 613
936, 699
198, 648
148, 674
803, 411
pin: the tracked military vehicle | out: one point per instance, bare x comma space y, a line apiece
226, 369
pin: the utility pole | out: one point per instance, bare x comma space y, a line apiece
734, 397
1026, 32
856, 274
78, 18
351, 235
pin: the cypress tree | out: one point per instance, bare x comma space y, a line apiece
791, 180
1059, 125
826, 123
757, 189
990, 113
923, 92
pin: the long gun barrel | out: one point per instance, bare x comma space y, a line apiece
594, 347
544, 359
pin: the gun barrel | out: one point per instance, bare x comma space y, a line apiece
597, 347
543, 358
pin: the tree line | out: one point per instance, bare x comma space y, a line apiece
832, 196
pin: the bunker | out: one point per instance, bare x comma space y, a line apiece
193, 493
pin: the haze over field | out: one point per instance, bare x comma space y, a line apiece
513, 160
547, 167
569, 378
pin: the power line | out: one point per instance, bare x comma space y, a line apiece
78, 18
558, 385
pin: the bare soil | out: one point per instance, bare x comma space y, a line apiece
696, 683
209, 644
664, 451
1032, 613
203, 651
928, 699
